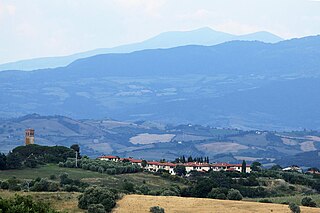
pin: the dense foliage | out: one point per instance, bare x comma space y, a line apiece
307, 201
102, 166
98, 195
294, 208
34, 155
24, 204
156, 209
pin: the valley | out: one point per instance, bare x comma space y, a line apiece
154, 141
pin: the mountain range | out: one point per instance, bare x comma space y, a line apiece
238, 84
202, 36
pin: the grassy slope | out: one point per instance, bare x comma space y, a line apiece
291, 199
142, 203
152, 181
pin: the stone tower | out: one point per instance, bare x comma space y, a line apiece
29, 136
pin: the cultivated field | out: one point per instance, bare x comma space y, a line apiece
142, 203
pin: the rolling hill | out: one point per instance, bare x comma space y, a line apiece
156, 141
202, 36
191, 84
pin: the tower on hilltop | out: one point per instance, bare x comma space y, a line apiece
29, 136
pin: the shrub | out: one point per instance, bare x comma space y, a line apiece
294, 208
97, 195
24, 204
61, 164
96, 208
5, 185
53, 187
128, 186
40, 186
156, 209
218, 193
265, 201
53, 177
234, 194
71, 188
168, 193
14, 184
144, 189
307, 201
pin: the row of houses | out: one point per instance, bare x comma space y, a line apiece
154, 166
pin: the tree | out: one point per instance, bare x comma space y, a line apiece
244, 167
307, 201
3, 161
128, 186
294, 208
14, 160
218, 193
96, 208
234, 194
256, 166
156, 209
180, 170
75, 147
144, 163
276, 168
183, 159
97, 195
31, 162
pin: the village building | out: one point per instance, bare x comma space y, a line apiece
154, 166
293, 168
110, 158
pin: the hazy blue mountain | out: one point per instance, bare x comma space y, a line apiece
203, 36
235, 84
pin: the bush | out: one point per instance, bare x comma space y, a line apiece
53, 187
97, 195
22, 204
265, 201
5, 185
294, 208
128, 186
234, 194
168, 193
218, 193
144, 189
71, 188
156, 209
53, 177
14, 184
96, 208
307, 201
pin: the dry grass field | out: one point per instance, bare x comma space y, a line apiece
62, 201
142, 203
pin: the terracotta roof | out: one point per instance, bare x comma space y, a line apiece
109, 157
240, 165
161, 164
135, 161
196, 164
221, 164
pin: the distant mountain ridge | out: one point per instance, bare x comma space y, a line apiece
203, 36
242, 84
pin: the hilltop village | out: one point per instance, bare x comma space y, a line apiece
154, 166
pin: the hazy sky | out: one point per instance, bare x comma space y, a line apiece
37, 28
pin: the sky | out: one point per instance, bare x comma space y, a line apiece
41, 28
